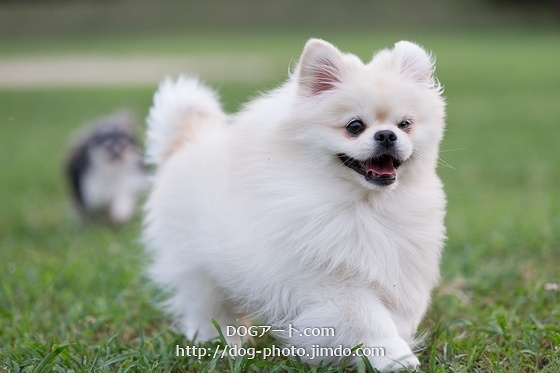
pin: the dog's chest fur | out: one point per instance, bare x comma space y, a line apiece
389, 242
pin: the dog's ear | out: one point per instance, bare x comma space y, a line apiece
319, 67
413, 61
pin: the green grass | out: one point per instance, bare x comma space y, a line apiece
72, 296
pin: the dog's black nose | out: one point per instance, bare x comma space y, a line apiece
386, 138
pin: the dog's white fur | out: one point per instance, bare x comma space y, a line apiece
255, 213
114, 185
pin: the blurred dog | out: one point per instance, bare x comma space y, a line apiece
317, 205
105, 169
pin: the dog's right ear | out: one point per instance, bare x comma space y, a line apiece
319, 67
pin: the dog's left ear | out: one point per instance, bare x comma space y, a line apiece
319, 68
413, 61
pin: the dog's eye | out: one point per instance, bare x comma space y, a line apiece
356, 127
405, 124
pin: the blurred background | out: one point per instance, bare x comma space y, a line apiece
64, 63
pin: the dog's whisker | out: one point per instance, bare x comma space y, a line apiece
441, 162
418, 153
452, 150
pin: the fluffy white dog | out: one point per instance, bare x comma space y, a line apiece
317, 205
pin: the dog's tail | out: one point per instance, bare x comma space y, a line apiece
180, 107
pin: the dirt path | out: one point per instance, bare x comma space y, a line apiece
71, 71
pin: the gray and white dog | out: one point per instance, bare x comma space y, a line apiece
105, 169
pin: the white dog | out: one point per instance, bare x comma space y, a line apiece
317, 205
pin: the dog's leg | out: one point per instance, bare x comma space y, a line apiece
198, 301
122, 208
355, 316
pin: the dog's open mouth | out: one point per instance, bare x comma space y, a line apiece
381, 170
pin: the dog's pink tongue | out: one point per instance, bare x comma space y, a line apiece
383, 166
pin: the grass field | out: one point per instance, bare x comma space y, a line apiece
73, 297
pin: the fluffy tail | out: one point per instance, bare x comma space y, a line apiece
180, 107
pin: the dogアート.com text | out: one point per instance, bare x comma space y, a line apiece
289, 331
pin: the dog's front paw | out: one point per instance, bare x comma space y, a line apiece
410, 363
398, 356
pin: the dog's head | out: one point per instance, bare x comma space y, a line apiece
377, 123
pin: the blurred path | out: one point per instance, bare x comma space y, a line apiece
71, 71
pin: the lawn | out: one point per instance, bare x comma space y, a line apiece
73, 296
